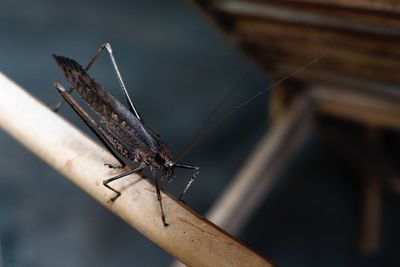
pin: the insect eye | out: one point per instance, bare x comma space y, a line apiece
169, 164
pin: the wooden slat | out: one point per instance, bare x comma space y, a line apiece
382, 5
333, 17
339, 61
351, 12
259, 32
387, 6
375, 110
363, 36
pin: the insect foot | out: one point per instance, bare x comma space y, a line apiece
111, 200
164, 222
106, 184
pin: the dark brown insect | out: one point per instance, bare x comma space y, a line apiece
121, 128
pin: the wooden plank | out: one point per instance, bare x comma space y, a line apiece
371, 22
375, 110
384, 6
322, 78
348, 13
260, 32
277, 34
340, 61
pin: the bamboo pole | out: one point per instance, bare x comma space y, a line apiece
189, 237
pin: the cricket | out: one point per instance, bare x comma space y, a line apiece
122, 130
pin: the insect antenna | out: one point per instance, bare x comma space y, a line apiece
209, 116
201, 134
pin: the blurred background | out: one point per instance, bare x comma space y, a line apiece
177, 67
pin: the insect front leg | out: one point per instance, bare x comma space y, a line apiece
194, 176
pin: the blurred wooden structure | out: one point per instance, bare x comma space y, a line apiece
363, 35
358, 81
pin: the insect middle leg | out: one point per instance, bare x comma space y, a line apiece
158, 191
109, 180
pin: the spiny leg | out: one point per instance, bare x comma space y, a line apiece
160, 201
107, 47
99, 131
109, 180
194, 176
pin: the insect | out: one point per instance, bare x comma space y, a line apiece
120, 127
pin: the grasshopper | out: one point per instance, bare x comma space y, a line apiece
121, 129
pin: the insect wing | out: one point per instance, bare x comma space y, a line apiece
121, 123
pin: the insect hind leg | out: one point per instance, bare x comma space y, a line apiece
60, 103
103, 135
107, 47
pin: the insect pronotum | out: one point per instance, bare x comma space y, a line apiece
121, 128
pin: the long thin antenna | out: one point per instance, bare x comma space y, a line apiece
238, 107
210, 115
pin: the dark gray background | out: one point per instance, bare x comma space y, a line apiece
177, 67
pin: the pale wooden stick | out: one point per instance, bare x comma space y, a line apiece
190, 238
257, 177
